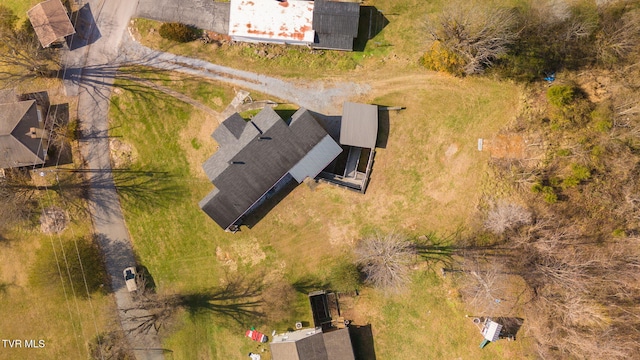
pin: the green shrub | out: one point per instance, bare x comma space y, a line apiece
602, 117
579, 173
537, 188
561, 95
178, 32
597, 151
619, 232
570, 182
550, 195
564, 152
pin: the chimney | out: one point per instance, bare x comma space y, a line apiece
37, 133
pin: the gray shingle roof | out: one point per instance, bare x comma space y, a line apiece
332, 345
247, 166
17, 147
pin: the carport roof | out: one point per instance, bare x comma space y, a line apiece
50, 21
359, 126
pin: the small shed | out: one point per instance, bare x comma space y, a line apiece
50, 22
491, 330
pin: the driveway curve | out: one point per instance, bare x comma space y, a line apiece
111, 19
323, 97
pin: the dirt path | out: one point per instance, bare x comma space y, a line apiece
323, 97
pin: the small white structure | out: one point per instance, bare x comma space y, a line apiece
491, 330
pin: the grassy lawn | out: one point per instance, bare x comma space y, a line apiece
428, 177
42, 299
20, 7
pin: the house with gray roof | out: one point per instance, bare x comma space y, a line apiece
23, 140
312, 344
259, 157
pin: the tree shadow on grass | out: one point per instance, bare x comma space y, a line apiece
435, 250
147, 188
75, 265
238, 300
307, 284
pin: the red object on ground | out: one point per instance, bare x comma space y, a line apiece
256, 336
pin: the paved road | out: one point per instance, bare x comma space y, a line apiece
111, 20
203, 14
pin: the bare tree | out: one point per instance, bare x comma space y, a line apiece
17, 196
476, 33
238, 300
484, 284
21, 56
619, 35
506, 216
386, 260
111, 346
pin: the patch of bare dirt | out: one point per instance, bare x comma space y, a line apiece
225, 259
196, 141
249, 251
505, 146
53, 220
596, 84
340, 235
451, 150
122, 154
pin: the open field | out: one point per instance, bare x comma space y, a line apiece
428, 177
45, 299
20, 7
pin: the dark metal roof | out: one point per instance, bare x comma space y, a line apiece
359, 126
338, 345
335, 24
333, 42
246, 167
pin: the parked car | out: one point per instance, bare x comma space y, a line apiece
130, 278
